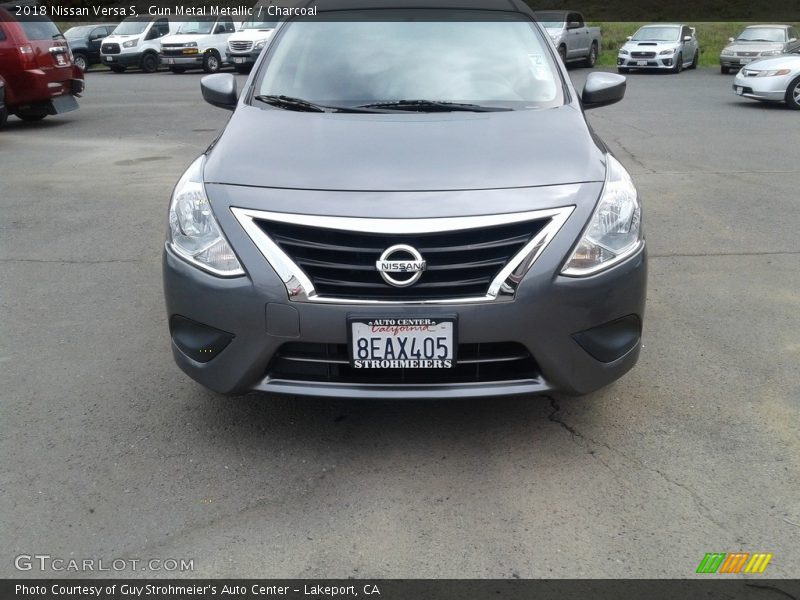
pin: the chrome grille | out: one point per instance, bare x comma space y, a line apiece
460, 264
747, 54
237, 46
498, 361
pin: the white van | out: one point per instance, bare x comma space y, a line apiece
136, 42
245, 45
199, 44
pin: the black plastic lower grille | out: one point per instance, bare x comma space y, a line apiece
476, 363
110, 49
460, 264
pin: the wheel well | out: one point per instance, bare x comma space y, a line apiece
213, 51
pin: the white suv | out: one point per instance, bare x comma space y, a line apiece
199, 44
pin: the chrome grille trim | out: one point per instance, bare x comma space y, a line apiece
240, 46
300, 288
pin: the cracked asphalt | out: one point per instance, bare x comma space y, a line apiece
108, 451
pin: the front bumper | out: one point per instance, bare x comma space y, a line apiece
254, 317
242, 58
194, 60
767, 89
659, 62
125, 59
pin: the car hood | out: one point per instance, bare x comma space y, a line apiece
183, 38
789, 61
405, 152
250, 35
650, 46
753, 46
119, 38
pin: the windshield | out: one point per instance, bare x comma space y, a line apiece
762, 34
197, 27
455, 58
259, 24
551, 20
657, 34
131, 27
78, 32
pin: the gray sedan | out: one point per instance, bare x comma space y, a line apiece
442, 225
665, 46
771, 80
758, 41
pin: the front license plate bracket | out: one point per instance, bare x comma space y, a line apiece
402, 342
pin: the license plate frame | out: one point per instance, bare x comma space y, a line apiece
415, 356
739, 90
238, 60
641, 63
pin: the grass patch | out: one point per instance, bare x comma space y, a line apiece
712, 37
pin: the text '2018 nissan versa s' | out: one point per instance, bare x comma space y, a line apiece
407, 203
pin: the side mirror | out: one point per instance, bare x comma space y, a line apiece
602, 89
687, 38
220, 90
629, 38
792, 40
730, 39
574, 25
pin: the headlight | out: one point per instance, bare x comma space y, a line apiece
260, 45
667, 52
623, 52
190, 45
130, 43
615, 230
726, 52
774, 73
771, 53
194, 233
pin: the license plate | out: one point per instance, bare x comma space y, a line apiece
109, 59
60, 60
170, 61
238, 60
739, 90
641, 63
402, 343
745, 61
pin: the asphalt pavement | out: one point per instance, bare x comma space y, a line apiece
109, 451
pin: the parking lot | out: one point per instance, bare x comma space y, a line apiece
110, 451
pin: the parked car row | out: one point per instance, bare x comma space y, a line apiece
207, 43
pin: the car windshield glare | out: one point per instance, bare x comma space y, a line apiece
442, 56
551, 20
762, 34
196, 27
131, 27
657, 34
76, 33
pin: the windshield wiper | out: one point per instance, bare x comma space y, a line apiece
300, 105
432, 106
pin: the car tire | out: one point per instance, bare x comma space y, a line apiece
591, 60
149, 63
80, 61
178, 70
725, 70
3, 117
30, 117
116, 69
562, 52
211, 62
695, 60
242, 69
793, 94
678, 66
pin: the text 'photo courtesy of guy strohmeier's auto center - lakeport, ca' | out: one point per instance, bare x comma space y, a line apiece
400, 299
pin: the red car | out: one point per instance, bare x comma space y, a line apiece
37, 66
